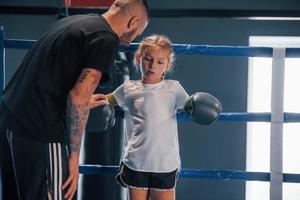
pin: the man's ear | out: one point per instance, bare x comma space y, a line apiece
133, 22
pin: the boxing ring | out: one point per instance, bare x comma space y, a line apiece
276, 117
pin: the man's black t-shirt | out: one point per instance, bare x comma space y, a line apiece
34, 101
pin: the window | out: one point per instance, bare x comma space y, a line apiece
258, 133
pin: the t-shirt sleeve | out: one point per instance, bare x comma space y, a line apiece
100, 53
181, 96
119, 95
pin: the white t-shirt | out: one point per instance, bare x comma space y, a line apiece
151, 142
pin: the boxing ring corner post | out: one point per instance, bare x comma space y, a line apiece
1, 83
2, 59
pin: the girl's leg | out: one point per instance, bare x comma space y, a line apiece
162, 195
138, 194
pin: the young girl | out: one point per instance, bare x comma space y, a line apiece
151, 161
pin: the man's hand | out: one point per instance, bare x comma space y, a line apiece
71, 183
98, 100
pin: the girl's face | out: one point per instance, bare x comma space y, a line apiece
153, 61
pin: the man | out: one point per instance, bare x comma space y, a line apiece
46, 104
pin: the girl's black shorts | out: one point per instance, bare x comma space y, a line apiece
127, 177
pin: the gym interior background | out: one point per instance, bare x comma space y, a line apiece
220, 146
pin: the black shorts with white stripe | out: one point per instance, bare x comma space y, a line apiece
146, 180
40, 168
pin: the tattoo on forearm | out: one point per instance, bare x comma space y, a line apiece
83, 75
77, 115
89, 79
94, 78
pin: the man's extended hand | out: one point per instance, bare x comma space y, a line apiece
98, 100
71, 183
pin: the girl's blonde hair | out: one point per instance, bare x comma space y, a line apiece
161, 41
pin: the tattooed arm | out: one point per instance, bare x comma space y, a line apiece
78, 107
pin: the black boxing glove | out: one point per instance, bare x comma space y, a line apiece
101, 118
204, 108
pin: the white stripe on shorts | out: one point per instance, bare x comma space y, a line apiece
60, 172
55, 159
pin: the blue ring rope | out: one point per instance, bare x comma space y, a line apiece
235, 116
198, 173
187, 49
